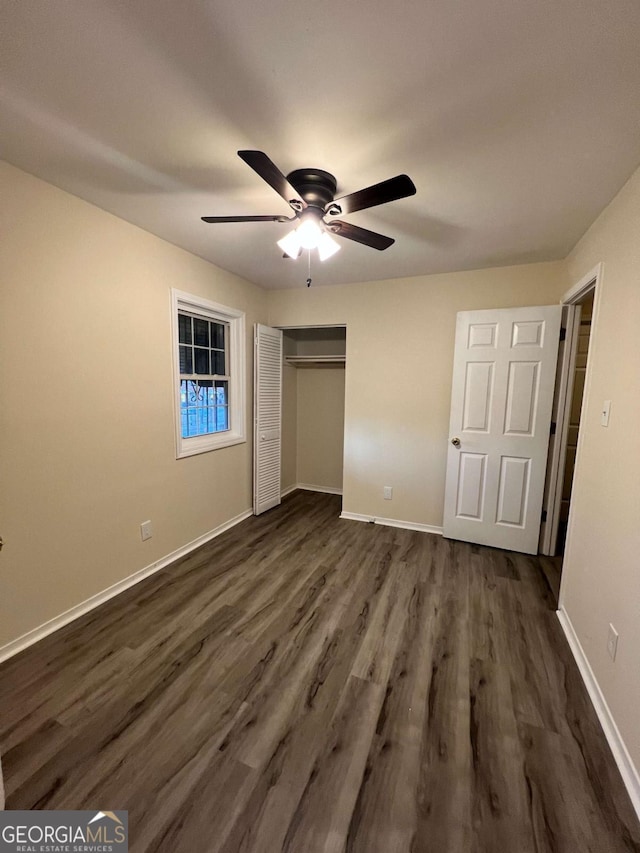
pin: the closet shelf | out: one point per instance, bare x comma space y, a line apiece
310, 360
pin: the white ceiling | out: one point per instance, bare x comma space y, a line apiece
518, 121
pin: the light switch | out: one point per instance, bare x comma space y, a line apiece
604, 414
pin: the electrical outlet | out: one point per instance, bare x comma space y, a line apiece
146, 530
387, 493
612, 642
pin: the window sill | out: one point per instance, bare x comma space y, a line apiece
205, 444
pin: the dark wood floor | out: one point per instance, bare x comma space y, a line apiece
305, 683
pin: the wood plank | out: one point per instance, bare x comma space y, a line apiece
321, 821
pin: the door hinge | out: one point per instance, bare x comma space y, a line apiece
563, 334
552, 428
544, 515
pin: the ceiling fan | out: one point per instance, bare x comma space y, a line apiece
310, 194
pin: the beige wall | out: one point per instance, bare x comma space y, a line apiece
601, 577
400, 338
87, 446
320, 443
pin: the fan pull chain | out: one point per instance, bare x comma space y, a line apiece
309, 268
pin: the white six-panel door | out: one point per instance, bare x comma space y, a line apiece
267, 418
502, 393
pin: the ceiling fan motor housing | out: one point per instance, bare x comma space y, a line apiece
315, 186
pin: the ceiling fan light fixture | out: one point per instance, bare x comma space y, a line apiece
310, 193
327, 246
290, 244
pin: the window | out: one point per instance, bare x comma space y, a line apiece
209, 374
204, 381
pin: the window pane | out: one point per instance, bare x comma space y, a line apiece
188, 393
186, 360
184, 329
222, 417
202, 421
222, 394
217, 335
200, 332
202, 360
217, 363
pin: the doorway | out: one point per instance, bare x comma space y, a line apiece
579, 314
313, 403
575, 407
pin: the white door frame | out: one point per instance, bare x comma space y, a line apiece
572, 298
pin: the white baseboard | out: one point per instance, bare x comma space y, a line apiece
288, 490
393, 522
12, 648
308, 487
627, 768
328, 490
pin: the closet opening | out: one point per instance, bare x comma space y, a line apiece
313, 404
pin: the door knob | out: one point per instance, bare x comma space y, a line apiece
455, 442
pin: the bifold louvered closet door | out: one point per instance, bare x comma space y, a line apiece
267, 418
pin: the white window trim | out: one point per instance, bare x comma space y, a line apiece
181, 301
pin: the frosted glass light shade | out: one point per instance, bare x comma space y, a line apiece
290, 244
309, 233
327, 246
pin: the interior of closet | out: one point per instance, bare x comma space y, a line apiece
313, 394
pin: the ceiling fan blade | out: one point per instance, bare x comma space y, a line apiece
270, 173
390, 190
361, 235
247, 218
